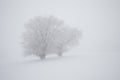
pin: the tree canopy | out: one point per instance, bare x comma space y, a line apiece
46, 35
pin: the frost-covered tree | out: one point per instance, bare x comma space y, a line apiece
46, 35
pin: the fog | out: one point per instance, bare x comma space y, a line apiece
99, 21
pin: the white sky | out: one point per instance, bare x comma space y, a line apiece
99, 21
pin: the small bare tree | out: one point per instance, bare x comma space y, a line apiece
46, 35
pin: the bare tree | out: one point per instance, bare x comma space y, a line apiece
46, 35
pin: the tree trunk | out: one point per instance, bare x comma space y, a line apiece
60, 54
42, 56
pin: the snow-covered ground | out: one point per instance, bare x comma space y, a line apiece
69, 67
